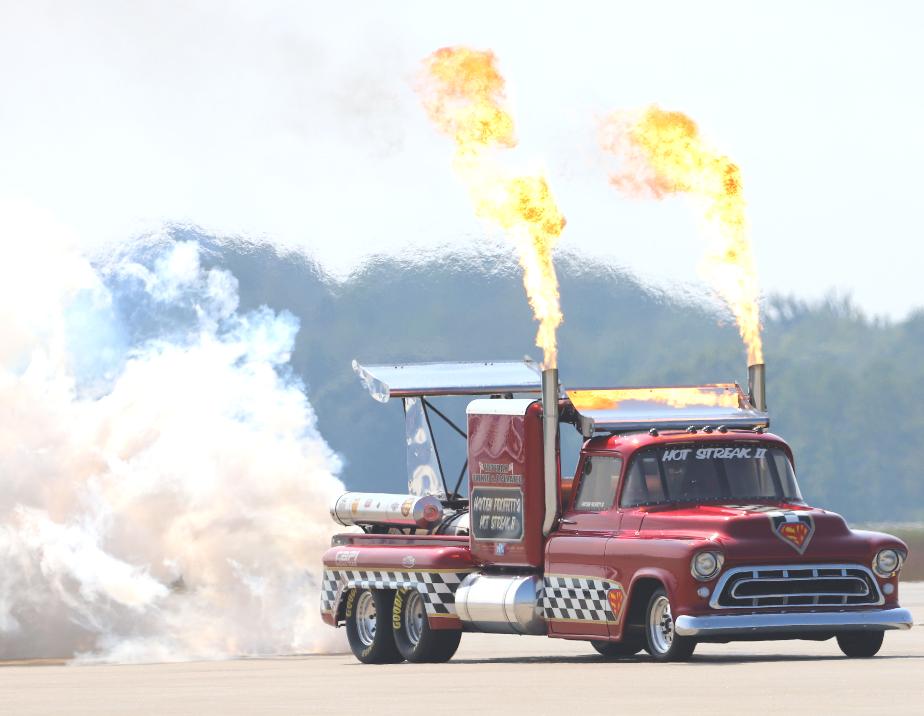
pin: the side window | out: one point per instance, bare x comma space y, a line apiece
643, 482
597, 490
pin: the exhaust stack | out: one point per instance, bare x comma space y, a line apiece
757, 386
550, 392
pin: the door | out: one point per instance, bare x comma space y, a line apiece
575, 597
642, 484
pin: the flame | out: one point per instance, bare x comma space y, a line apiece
718, 396
662, 153
463, 94
464, 98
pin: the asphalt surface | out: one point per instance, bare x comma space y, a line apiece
497, 674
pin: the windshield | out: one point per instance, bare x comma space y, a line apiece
733, 472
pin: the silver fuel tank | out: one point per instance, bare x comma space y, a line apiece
371, 508
501, 604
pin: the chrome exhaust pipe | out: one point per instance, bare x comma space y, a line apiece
550, 392
757, 386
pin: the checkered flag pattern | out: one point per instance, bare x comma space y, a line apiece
438, 589
577, 598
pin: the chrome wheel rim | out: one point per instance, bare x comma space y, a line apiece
365, 618
414, 615
661, 625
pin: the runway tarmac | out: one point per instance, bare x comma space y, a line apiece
497, 674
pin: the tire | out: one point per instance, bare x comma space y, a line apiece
660, 640
416, 641
614, 649
860, 644
368, 629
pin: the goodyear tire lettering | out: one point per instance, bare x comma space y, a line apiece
396, 610
351, 597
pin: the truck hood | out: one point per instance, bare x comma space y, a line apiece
796, 524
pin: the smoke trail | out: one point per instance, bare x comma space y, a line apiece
165, 487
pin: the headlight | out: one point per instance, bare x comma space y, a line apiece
887, 562
706, 565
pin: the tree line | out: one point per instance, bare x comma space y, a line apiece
843, 388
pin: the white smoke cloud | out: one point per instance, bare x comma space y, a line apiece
165, 487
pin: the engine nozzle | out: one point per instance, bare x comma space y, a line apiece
550, 393
757, 386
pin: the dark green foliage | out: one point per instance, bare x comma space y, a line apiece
844, 390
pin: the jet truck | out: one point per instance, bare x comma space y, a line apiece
683, 523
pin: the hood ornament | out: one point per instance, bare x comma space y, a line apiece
794, 528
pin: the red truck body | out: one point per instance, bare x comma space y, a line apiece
783, 569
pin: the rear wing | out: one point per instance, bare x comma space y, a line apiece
673, 408
413, 380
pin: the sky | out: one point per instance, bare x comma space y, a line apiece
298, 122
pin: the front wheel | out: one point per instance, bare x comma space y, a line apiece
860, 644
368, 628
661, 641
416, 641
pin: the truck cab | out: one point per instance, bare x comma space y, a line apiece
713, 524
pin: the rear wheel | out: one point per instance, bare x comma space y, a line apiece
860, 644
368, 628
661, 641
629, 646
415, 640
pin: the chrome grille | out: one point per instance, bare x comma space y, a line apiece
799, 585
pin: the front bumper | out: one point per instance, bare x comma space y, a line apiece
732, 625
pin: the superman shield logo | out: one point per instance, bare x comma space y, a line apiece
794, 528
